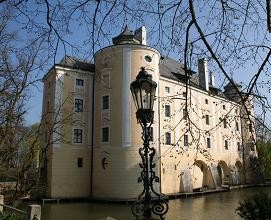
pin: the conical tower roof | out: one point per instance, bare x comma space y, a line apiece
126, 37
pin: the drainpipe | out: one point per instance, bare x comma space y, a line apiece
159, 139
243, 146
92, 139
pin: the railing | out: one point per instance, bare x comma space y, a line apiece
33, 213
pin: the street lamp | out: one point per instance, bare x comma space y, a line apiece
143, 91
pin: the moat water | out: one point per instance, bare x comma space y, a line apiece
217, 206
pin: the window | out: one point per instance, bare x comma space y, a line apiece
185, 114
226, 145
208, 142
224, 123
224, 107
148, 58
105, 102
105, 134
207, 119
168, 138
237, 126
79, 162
206, 101
250, 128
151, 133
238, 146
184, 94
78, 105
167, 89
79, 82
167, 110
185, 140
77, 135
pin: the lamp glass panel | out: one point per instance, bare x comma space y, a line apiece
135, 93
152, 95
146, 94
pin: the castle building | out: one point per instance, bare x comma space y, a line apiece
203, 136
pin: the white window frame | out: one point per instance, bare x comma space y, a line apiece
73, 135
78, 98
80, 165
166, 138
167, 113
208, 142
79, 86
102, 103
207, 119
102, 134
226, 144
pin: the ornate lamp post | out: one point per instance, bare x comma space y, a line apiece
143, 91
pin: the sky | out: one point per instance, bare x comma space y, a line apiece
80, 30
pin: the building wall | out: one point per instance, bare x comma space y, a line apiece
181, 167
64, 175
184, 168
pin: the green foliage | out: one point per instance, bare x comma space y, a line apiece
8, 175
13, 216
264, 155
257, 207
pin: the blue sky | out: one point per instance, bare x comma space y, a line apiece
81, 35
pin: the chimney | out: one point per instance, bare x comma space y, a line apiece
203, 74
212, 79
141, 35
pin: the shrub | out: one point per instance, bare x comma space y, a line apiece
256, 207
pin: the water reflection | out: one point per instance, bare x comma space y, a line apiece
217, 206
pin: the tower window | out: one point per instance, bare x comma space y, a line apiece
168, 138
78, 105
224, 123
77, 135
167, 110
79, 162
151, 133
206, 101
105, 134
79, 82
167, 89
148, 58
226, 145
207, 119
237, 126
208, 142
105, 102
238, 146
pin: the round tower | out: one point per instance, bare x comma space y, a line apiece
117, 136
